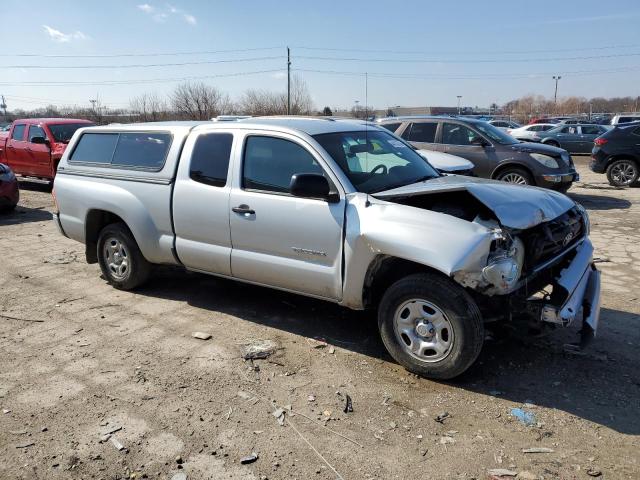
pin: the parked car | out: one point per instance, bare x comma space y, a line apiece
5, 127
9, 191
33, 147
625, 118
528, 132
617, 153
337, 210
494, 153
504, 124
573, 138
448, 164
546, 120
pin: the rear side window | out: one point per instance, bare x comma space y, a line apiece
591, 130
18, 132
422, 132
210, 159
535, 128
127, 149
95, 148
544, 128
392, 127
269, 163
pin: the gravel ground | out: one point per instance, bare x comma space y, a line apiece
86, 369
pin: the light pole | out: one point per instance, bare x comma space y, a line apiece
357, 113
459, 97
555, 95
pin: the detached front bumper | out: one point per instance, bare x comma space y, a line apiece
576, 289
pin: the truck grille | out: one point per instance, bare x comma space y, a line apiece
549, 239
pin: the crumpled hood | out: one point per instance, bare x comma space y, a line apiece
515, 206
446, 162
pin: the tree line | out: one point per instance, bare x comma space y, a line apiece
537, 105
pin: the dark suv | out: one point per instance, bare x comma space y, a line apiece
494, 153
617, 153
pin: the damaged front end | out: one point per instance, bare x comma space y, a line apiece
539, 266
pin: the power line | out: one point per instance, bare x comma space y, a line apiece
456, 52
137, 81
472, 60
143, 65
130, 55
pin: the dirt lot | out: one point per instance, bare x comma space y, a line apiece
79, 359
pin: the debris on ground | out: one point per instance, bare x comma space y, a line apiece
311, 398
527, 475
594, 472
259, 349
502, 472
117, 444
332, 349
201, 335
348, 407
447, 440
524, 416
440, 418
179, 476
538, 450
249, 459
25, 445
317, 343
279, 414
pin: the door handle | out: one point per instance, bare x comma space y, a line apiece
244, 210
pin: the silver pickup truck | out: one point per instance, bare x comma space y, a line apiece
339, 210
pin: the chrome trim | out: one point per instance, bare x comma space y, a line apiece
114, 176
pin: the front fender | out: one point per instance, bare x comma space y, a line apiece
439, 241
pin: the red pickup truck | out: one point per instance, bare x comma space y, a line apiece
33, 146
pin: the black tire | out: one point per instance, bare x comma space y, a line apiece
511, 172
8, 208
615, 174
137, 268
552, 143
563, 188
459, 310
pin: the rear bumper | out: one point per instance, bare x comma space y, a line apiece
598, 162
580, 283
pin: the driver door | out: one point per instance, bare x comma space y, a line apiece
38, 155
277, 239
459, 139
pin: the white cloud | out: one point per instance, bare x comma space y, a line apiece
60, 37
161, 15
279, 75
146, 8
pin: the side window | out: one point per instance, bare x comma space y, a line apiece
95, 148
142, 150
535, 128
269, 163
500, 124
210, 159
423, 132
590, 130
36, 131
568, 130
455, 134
18, 132
544, 128
392, 127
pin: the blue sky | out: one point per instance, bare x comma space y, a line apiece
416, 52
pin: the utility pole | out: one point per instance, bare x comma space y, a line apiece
459, 97
288, 81
366, 95
555, 95
3, 106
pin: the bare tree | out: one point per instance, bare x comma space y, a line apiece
198, 101
148, 107
264, 102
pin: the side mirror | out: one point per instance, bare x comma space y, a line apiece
480, 141
311, 185
39, 140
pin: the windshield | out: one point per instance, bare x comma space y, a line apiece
374, 160
64, 131
495, 134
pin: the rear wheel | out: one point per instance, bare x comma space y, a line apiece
430, 325
121, 261
515, 175
622, 173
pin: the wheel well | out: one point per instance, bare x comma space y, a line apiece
506, 166
383, 272
613, 158
96, 220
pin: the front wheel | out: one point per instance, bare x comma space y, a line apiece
431, 326
516, 175
121, 261
622, 173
